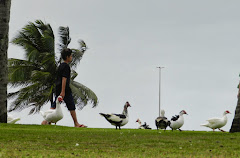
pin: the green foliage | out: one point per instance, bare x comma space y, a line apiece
57, 141
36, 74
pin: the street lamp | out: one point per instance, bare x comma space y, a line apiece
160, 67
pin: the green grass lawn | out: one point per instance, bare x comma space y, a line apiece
58, 141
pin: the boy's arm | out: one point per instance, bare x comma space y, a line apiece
64, 81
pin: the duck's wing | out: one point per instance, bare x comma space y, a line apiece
117, 117
160, 118
120, 116
114, 118
214, 120
174, 118
48, 112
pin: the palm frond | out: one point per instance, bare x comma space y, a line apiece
78, 53
48, 43
35, 38
65, 38
40, 76
35, 96
26, 43
46, 29
83, 95
76, 58
73, 74
33, 34
13, 94
79, 98
83, 46
19, 71
49, 62
47, 37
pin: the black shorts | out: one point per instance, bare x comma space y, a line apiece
68, 99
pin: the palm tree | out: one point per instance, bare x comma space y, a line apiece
4, 27
236, 121
36, 74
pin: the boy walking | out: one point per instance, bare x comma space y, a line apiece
62, 86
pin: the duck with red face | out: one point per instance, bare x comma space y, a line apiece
217, 122
177, 121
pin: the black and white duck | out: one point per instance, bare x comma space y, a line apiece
144, 126
177, 121
162, 122
118, 120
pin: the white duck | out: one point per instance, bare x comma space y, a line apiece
217, 123
118, 120
54, 115
162, 122
11, 119
144, 126
177, 121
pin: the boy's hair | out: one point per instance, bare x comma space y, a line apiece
66, 52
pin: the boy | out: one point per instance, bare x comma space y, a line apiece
62, 86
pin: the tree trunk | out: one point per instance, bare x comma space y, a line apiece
4, 28
236, 121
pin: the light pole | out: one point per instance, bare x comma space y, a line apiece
160, 67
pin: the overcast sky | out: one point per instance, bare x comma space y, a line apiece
196, 41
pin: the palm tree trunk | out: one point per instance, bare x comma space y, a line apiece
4, 28
236, 121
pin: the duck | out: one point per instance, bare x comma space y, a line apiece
162, 122
217, 123
144, 126
177, 121
11, 119
118, 120
140, 124
54, 115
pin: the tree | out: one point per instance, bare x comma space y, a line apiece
4, 28
236, 121
36, 74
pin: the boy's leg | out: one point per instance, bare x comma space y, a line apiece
68, 99
74, 117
